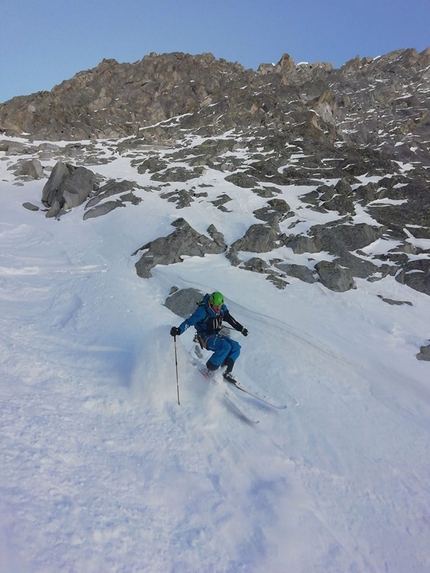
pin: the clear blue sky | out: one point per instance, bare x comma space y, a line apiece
43, 42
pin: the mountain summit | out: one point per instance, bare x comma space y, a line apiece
379, 102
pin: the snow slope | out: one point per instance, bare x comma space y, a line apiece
102, 470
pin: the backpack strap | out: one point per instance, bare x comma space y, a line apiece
198, 339
203, 303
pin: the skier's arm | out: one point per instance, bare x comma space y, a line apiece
198, 315
233, 322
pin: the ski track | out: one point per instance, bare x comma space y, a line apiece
103, 471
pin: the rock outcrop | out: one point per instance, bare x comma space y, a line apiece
315, 101
183, 241
68, 186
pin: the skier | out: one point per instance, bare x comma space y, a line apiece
207, 320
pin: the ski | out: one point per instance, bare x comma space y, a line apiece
242, 388
262, 399
239, 411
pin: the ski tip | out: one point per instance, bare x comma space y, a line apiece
250, 421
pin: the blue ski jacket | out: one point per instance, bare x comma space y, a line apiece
207, 322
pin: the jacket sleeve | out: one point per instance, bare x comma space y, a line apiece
232, 321
198, 315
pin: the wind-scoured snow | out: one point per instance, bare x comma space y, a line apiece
103, 471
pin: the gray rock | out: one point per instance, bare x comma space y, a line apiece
52, 189
30, 206
242, 180
112, 187
256, 265
130, 198
77, 186
343, 187
233, 256
393, 302
257, 239
182, 197
68, 185
301, 244
266, 191
359, 267
340, 238
167, 250
297, 271
47, 147
180, 174
416, 274
16, 148
275, 212
334, 277
184, 302
30, 168
55, 209
343, 204
152, 165
424, 353
217, 237
103, 209
221, 201
415, 209
279, 282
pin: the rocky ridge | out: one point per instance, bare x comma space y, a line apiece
382, 102
349, 145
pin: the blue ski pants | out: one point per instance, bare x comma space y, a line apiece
222, 348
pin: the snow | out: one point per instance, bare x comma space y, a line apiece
102, 470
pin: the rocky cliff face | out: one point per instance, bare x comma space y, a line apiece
381, 102
356, 140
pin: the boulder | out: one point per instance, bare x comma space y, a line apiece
301, 244
257, 239
55, 210
337, 239
275, 212
416, 274
360, 268
424, 353
30, 206
68, 186
256, 265
242, 180
30, 168
112, 187
102, 209
52, 189
184, 241
334, 277
183, 302
77, 186
297, 271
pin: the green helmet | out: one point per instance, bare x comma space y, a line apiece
216, 299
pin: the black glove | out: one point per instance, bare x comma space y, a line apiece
245, 331
174, 331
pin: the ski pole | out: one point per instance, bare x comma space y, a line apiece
176, 365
